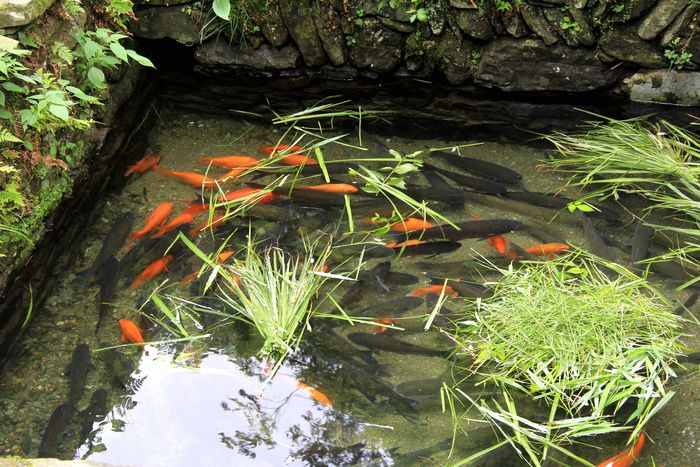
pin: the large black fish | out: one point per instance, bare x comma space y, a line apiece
561, 202
469, 229
96, 410
372, 278
428, 248
371, 387
689, 302
460, 268
480, 167
640, 243
476, 184
544, 235
395, 307
77, 371
423, 193
108, 286
55, 427
594, 240
118, 365
389, 344
466, 288
111, 244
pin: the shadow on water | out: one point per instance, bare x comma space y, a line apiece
200, 403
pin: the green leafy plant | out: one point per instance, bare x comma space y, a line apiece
120, 12
597, 351
677, 56
238, 16
101, 49
568, 23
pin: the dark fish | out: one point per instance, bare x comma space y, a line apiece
145, 251
595, 241
108, 286
400, 278
421, 387
469, 229
476, 184
480, 167
429, 248
118, 365
93, 412
373, 278
111, 244
422, 193
690, 358
562, 202
460, 268
77, 370
640, 242
689, 302
544, 235
389, 344
330, 343
55, 427
674, 270
371, 387
272, 213
367, 250
466, 288
392, 308
519, 252
517, 207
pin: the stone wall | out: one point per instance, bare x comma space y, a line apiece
512, 45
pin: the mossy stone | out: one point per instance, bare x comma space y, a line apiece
21, 12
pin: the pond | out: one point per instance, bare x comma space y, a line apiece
208, 402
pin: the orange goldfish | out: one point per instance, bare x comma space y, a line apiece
191, 178
152, 270
158, 217
194, 208
223, 256
184, 218
315, 394
230, 176
449, 291
380, 328
410, 224
230, 162
627, 457
244, 192
546, 249
216, 221
270, 150
130, 332
499, 242
149, 161
298, 159
338, 188
406, 243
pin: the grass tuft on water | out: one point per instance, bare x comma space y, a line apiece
598, 351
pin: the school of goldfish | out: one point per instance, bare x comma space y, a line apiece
198, 217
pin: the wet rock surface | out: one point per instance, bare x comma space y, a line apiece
21, 12
580, 40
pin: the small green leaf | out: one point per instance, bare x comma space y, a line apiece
119, 51
2, 98
77, 92
222, 8
5, 114
140, 59
12, 87
422, 15
96, 77
60, 112
90, 49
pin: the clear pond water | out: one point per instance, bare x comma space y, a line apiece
205, 402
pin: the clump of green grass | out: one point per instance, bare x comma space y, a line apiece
598, 351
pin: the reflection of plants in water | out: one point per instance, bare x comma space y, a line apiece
598, 351
262, 425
